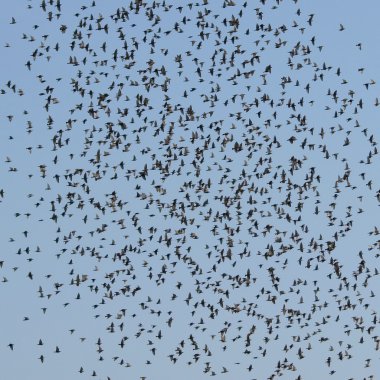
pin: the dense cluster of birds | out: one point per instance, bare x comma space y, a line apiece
187, 185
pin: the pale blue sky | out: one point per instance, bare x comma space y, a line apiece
37, 252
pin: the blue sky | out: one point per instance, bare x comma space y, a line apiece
129, 270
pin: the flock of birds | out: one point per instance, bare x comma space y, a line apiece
195, 179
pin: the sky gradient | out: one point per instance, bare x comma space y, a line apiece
189, 190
